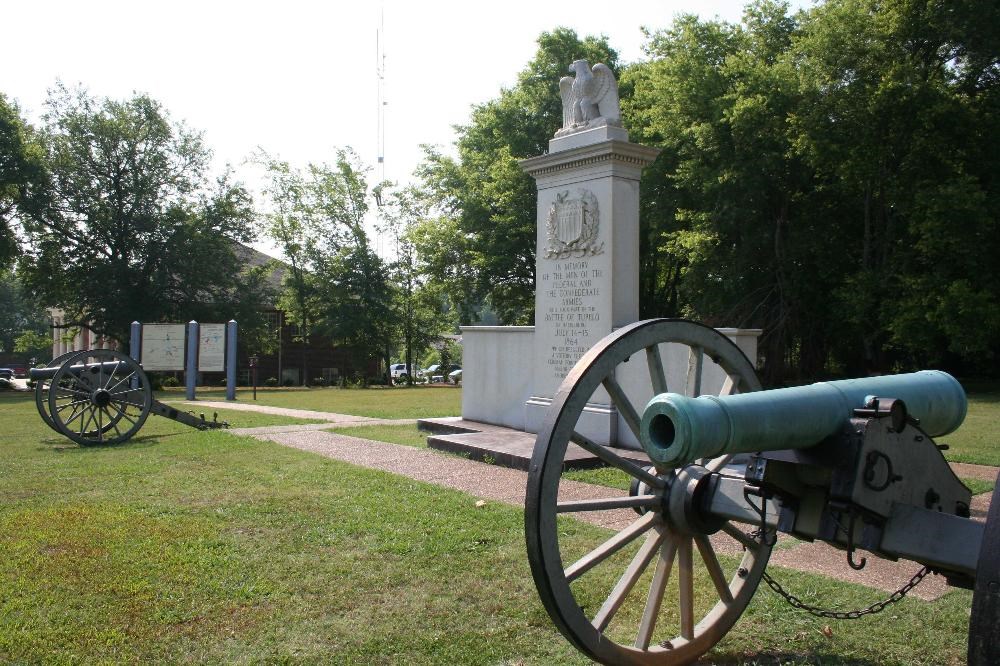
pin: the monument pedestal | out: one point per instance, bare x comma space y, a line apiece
587, 265
586, 277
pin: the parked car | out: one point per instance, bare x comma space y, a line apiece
397, 370
440, 373
6, 373
20, 371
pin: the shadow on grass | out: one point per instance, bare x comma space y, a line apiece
781, 659
63, 445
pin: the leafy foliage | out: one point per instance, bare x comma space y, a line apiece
20, 318
21, 171
484, 249
336, 285
128, 226
827, 178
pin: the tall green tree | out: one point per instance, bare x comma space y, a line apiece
21, 172
417, 304
900, 118
336, 284
726, 216
489, 200
19, 314
130, 225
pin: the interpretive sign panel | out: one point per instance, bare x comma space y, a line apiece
212, 348
163, 347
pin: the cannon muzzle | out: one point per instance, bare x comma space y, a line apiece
676, 429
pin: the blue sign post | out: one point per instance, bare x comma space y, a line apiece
231, 359
191, 368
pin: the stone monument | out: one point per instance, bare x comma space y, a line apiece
587, 266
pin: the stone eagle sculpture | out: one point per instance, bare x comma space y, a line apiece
590, 99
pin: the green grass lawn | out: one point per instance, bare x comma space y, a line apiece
377, 402
187, 546
978, 438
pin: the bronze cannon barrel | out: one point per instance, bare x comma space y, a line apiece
676, 429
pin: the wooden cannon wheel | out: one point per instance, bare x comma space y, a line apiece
576, 592
42, 391
99, 396
984, 622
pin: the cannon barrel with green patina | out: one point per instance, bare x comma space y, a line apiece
677, 429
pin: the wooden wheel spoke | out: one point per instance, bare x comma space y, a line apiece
623, 404
122, 381
628, 579
111, 377
714, 568
113, 422
85, 422
609, 503
75, 414
656, 588
74, 404
125, 415
739, 535
611, 546
64, 392
715, 464
730, 386
656, 373
685, 576
696, 365
615, 460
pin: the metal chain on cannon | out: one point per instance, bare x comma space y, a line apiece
876, 607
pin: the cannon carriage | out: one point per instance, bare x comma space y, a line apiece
850, 463
101, 396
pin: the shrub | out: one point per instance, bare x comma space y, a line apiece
320, 381
170, 382
271, 381
288, 382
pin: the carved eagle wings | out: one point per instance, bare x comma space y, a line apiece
591, 95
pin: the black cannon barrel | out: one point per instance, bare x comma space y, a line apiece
47, 373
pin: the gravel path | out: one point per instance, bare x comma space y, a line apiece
501, 484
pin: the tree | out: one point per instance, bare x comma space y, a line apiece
417, 305
900, 118
129, 226
288, 224
489, 202
21, 172
337, 285
20, 316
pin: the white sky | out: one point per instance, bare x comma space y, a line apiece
298, 78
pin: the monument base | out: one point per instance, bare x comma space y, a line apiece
598, 422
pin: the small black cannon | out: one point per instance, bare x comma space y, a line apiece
101, 396
850, 463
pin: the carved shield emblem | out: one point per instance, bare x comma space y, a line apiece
569, 221
572, 226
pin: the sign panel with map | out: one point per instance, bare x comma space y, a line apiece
212, 348
163, 347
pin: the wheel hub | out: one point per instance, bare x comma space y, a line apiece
101, 398
683, 496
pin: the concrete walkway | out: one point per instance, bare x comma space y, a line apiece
501, 484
